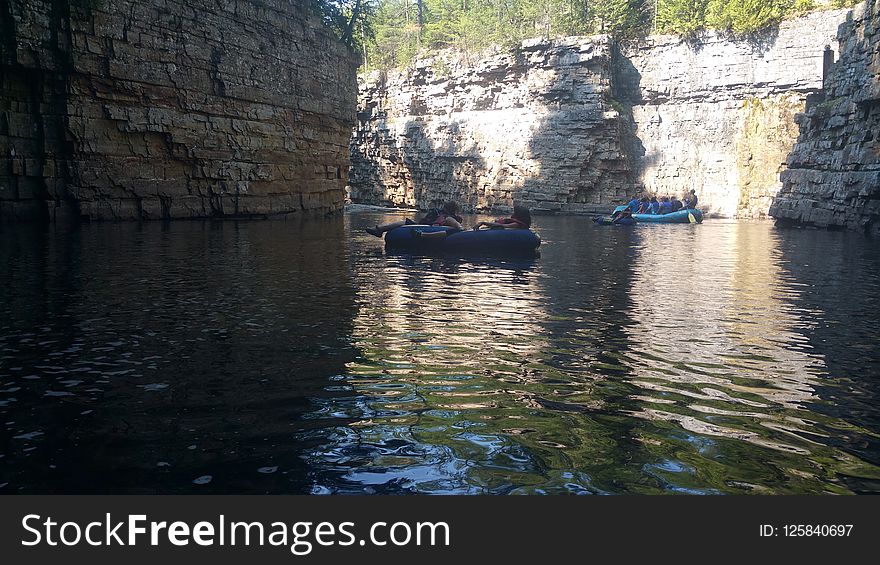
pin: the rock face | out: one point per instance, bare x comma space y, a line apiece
718, 115
125, 109
574, 125
536, 126
833, 175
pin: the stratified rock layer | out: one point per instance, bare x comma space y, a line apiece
535, 126
126, 109
717, 115
833, 175
576, 124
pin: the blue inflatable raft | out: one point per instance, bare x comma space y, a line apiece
679, 217
492, 242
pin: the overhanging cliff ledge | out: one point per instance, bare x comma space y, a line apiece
150, 109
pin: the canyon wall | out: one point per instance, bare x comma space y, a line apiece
833, 175
535, 126
576, 124
717, 115
125, 109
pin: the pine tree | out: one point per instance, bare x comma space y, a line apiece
747, 16
621, 17
684, 17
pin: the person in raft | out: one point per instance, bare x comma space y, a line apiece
634, 205
521, 219
620, 216
690, 200
447, 216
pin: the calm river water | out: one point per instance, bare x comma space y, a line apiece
279, 357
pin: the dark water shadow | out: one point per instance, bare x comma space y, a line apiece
838, 277
145, 357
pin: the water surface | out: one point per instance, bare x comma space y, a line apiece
284, 357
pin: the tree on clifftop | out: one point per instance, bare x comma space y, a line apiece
621, 17
349, 19
404, 27
749, 16
684, 17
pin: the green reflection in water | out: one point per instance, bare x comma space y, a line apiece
664, 359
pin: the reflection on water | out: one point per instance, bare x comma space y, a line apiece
143, 358
730, 359
279, 357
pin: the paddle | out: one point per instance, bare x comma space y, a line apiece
691, 218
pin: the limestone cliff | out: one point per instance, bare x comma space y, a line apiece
536, 126
833, 175
124, 109
574, 125
717, 114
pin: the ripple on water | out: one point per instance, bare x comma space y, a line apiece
720, 358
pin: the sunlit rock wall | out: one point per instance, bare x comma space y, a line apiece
577, 124
833, 175
534, 126
125, 109
717, 114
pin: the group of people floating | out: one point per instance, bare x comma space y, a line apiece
450, 216
662, 205
653, 205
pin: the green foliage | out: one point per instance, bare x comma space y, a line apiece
473, 25
350, 20
396, 30
801, 7
621, 17
747, 16
684, 17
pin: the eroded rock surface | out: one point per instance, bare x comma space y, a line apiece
536, 126
125, 109
833, 175
574, 125
718, 115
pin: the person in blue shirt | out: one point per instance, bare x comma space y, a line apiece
633, 205
665, 205
676, 204
654, 207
